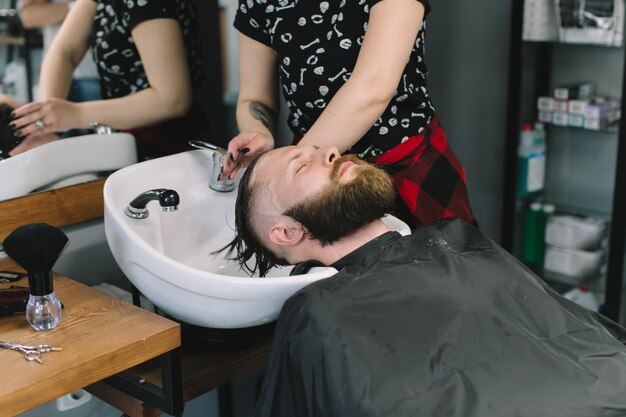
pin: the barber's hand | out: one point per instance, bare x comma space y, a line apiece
32, 142
242, 149
44, 117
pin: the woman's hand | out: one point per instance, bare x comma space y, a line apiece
32, 142
41, 118
242, 149
8, 100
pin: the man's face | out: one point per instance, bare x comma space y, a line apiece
292, 174
330, 195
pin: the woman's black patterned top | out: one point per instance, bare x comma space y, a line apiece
317, 44
114, 51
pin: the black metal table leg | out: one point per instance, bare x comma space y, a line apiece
168, 398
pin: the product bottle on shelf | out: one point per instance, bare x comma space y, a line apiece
14, 81
533, 249
540, 137
583, 296
531, 157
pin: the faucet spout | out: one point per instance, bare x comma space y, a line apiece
200, 144
215, 183
168, 200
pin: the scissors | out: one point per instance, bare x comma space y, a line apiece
31, 353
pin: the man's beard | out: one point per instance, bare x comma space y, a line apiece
340, 209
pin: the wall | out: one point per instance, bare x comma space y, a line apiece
231, 82
467, 56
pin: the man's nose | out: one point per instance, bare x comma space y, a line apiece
330, 155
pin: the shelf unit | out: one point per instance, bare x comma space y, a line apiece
16, 38
530, 69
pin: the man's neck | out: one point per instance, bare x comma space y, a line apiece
330, 254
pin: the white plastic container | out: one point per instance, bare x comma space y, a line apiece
575, 232
531, 156
76, 404
540, 21
14, 81
583, 296
572, 262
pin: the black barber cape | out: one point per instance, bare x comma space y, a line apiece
441, 323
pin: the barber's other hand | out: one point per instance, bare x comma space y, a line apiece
242, 149
32, 142
44, 117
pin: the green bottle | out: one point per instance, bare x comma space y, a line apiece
534, 234
547, 210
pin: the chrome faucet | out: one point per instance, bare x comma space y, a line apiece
168, 199
101, 129
218, 162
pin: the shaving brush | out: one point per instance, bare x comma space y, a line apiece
36, 247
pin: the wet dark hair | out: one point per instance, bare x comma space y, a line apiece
247, 245
8, 140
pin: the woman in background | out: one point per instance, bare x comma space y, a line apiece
48, 16
147, 57
353, 76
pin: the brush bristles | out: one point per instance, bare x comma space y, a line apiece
36, 247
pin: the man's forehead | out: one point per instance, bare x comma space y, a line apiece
271, 163
267, 175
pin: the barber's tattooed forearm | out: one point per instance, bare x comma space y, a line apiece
264, 115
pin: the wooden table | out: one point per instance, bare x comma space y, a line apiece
100, 336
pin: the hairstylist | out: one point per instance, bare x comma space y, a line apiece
149, 66
353, 76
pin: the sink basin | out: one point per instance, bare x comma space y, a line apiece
65, 162
169, 256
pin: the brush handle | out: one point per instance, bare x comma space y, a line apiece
40, 284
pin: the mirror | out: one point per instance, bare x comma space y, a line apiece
77, 209
63, 165
65, 162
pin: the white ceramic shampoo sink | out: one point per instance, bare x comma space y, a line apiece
65, 162
170, 258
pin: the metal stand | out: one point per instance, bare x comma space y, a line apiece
169, 398
512, 123
172, 386
617, 245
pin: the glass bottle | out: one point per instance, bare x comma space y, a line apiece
43, 310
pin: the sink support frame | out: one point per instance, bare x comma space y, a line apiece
168, 398
224, 392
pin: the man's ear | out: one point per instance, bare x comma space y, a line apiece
287, 233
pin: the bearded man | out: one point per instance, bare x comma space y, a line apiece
443, 322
